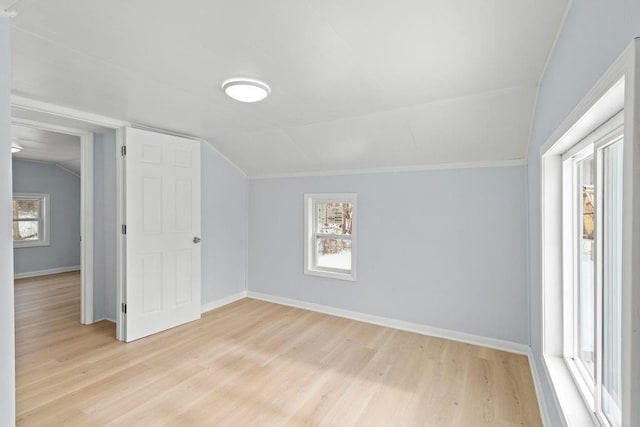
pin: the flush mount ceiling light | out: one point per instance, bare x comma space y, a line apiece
246, 90
15, 148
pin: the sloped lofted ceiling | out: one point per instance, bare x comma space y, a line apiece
357, 84
48, 147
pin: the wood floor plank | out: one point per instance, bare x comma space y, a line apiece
253, 363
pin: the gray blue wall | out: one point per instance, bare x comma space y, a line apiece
7, 339
105, 225
64, 231
224, 227
594, 35
441, 248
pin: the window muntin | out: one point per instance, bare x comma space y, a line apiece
30, 220
330, 235
593, 252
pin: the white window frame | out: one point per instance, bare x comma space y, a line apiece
617, 90
44, 220
310, 267
594, 144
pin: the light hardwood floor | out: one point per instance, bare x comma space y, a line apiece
254, 363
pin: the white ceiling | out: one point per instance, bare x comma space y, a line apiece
355, 84
46, 146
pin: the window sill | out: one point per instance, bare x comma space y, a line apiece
30, 245
351, 277
574, 409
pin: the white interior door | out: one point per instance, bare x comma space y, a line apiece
162, 232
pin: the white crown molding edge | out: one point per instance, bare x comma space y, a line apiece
47, 162
26, 103
398, 169
67, 169
38, 273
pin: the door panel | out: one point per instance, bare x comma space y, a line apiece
163, 217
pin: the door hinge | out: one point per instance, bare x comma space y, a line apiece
124, 307
123, 150
124, 228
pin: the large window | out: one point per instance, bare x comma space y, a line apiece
590, 253
330, 238
592, 261
30, 220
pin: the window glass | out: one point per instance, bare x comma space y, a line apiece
26, 208
26, 219
334, 218
29, 220
330, 235
586, 264
26, 230
333, 253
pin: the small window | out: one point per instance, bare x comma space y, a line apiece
330, 234
30, 220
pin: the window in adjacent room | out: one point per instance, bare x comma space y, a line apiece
330, 235
592, 241
30, 220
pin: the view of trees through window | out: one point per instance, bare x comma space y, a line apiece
26, 219
335, 220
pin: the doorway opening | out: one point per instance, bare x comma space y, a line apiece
70, 225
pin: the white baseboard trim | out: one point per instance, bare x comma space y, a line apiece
497, 344
104, 318
46, 272
544, 412
417, 328
223, 301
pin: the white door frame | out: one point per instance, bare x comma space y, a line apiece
86, 210
27, 104
121, 245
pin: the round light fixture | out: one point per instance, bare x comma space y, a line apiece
15, 148
246, 90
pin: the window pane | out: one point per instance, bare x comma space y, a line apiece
612, 281
334, 218
333, 253
26, 208
586, 265
25, 231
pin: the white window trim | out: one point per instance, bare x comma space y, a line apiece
617, 90
45, 213
309, 243
607, 134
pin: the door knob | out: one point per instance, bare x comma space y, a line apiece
196, 240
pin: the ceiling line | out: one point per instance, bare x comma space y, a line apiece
398, 169
472, 96
46, 162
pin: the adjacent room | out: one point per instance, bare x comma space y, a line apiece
46, 167
356, 213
